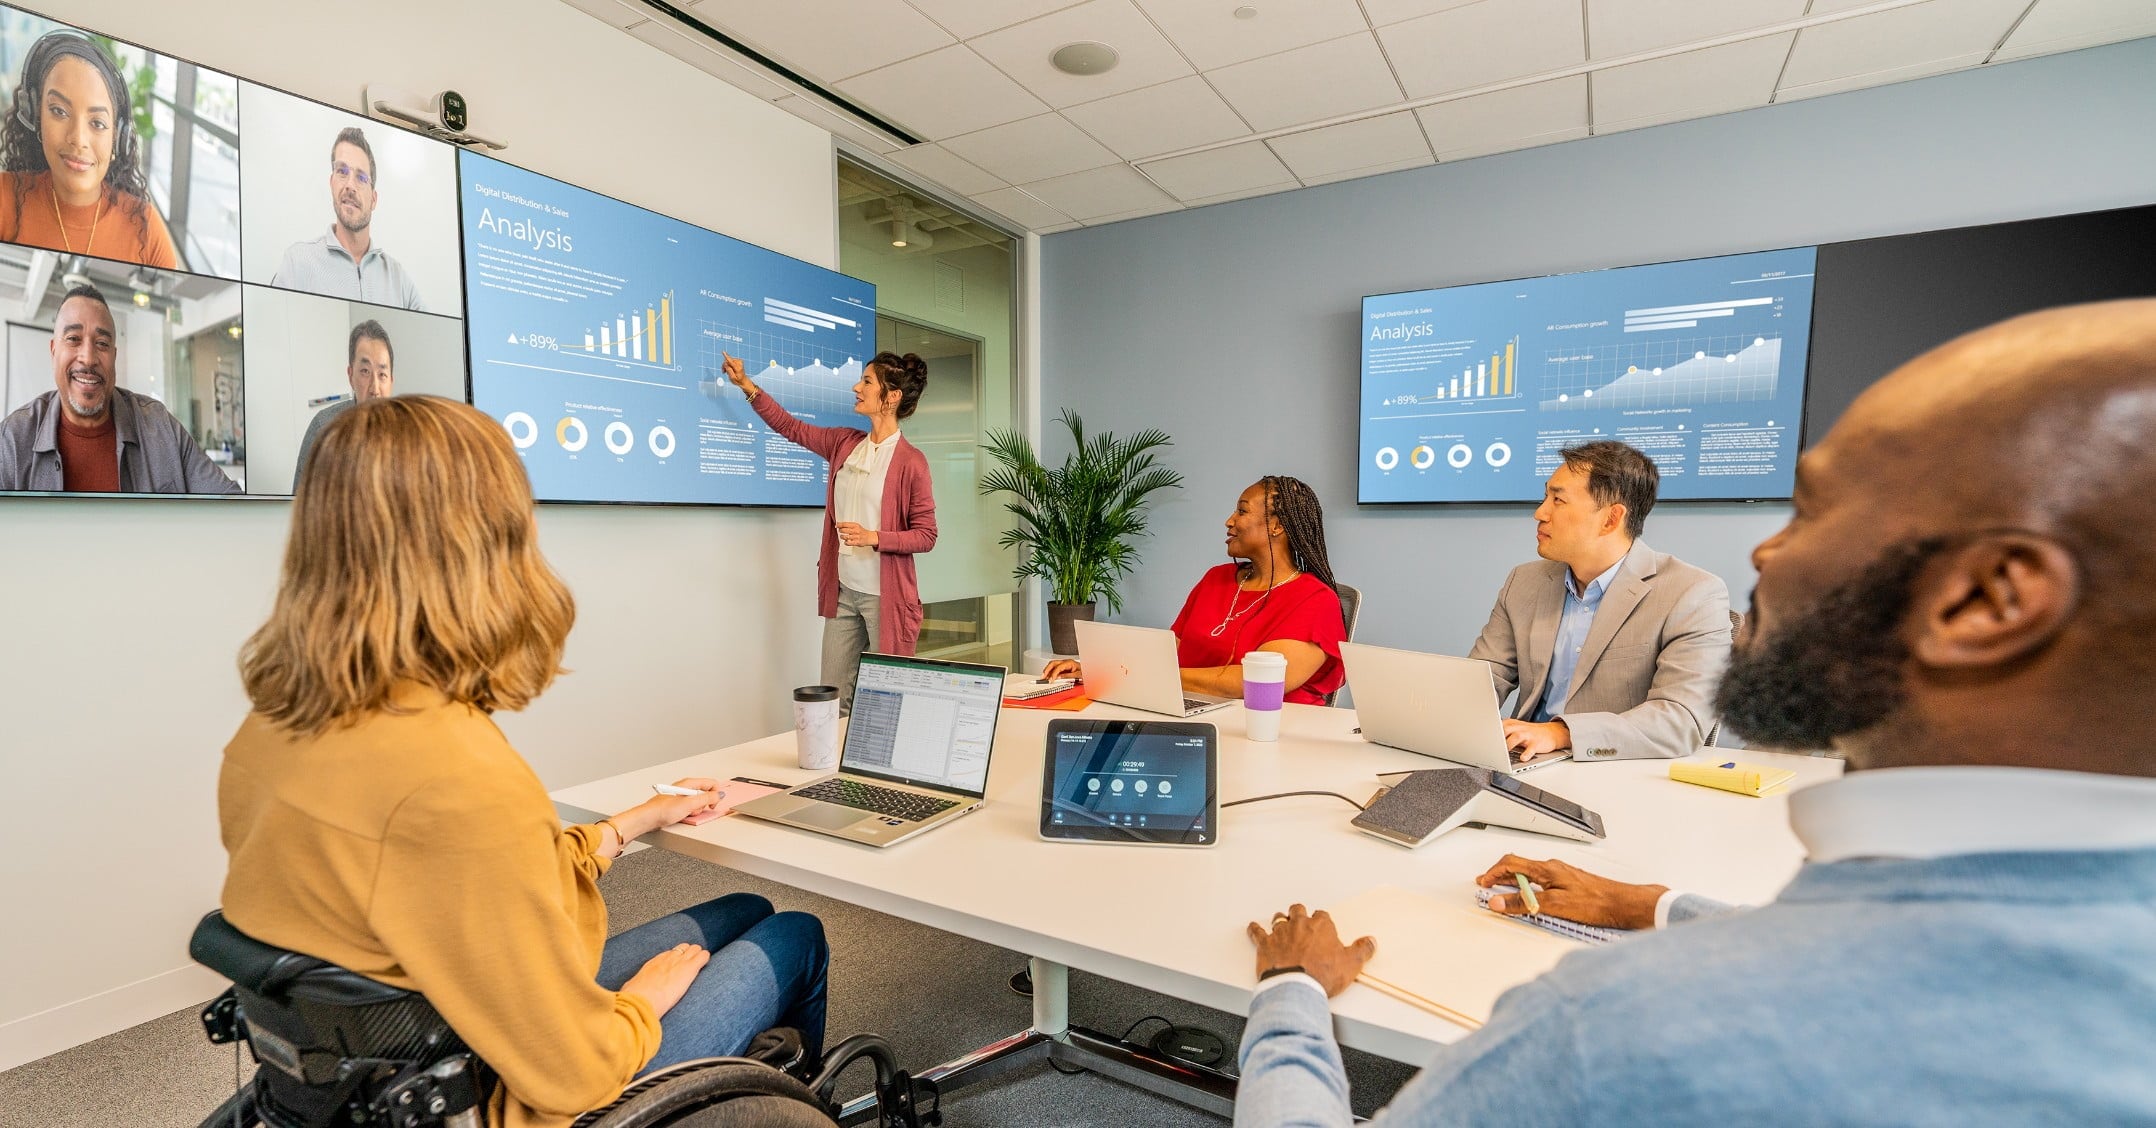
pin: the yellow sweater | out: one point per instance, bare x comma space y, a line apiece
421, 851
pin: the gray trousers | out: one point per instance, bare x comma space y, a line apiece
846, 636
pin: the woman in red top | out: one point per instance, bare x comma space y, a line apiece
1279, 597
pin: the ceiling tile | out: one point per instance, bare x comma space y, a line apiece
1034, 149
1244, 194
1159, 119
1145, 58
2067, 25
1359, 173
968, 18
948, 169
1734, 76
1311, 84
943, 94
834, 123
1212, 173
1211, 36
1018, 207
1627, 27
1393, 141
1508, 119
830, 39
1904, 43
620, 13
1116, 190
1483, 43
1060, 227
1140, 213
1384, 12
702, 54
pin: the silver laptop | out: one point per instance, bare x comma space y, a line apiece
916, 753
1433, 704
1136, 667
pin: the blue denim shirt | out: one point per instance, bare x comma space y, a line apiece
1572, 628
2014, 988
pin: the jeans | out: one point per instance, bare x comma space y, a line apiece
845, 637
767, 969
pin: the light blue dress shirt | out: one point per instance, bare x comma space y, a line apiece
1579, 618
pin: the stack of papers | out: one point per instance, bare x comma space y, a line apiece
1445, 958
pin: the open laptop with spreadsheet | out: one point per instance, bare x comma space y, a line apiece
916, 753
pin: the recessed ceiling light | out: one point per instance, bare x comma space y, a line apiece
1084, 58
1246, 12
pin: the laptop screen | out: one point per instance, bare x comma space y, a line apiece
923, 722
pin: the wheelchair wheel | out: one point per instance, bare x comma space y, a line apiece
719, 1095
238, 1112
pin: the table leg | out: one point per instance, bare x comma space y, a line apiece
1052, 1036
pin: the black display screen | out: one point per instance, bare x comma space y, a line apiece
1130, 781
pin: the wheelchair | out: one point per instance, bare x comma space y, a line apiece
335, 1049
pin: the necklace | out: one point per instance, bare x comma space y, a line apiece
1234, 614
94, 217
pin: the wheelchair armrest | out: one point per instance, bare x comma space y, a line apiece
274, 972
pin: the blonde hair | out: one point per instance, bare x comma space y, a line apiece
413, 557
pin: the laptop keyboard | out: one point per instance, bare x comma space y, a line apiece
909, 805
1193, 704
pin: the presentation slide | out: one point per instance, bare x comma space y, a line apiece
1469, 393
597, 330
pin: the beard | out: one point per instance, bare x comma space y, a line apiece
1833, 669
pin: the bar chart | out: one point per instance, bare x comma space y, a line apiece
1478, 376
640, 337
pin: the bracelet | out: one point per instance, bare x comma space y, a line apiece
611, 825
1290, 969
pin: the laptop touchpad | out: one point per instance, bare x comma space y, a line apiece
827, 816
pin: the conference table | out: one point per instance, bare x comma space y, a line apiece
1173, 920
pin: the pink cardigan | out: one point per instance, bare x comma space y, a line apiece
909, 524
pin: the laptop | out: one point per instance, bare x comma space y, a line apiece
1433, 704
916, 753
1136, 667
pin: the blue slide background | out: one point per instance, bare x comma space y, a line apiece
547, 263
1605, 354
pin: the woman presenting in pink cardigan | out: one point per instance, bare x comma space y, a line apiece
882, 512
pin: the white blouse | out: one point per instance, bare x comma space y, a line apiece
858, 497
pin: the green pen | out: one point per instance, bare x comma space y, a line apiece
1527, 894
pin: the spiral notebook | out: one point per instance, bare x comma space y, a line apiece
1569, 929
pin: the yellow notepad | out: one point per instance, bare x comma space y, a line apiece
1744, 779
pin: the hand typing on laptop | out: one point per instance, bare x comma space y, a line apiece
1530, 741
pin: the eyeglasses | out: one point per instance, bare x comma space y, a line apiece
343, 171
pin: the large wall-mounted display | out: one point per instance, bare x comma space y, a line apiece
598, 332
1469, 393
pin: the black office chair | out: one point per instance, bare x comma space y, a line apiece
1350, 611
335, 1048
1736, 627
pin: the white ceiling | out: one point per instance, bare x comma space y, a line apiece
1206, 106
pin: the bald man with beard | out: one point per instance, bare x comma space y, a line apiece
1963, 605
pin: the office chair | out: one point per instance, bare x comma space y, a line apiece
1350, 611
1736, 626
335, 1048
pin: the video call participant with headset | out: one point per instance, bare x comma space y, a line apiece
1613, 647
377, 819
369, 367
1280, 597
71, 176
881, 510
346, 261
89, 435
1970, 930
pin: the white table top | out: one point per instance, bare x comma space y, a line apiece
1172, 920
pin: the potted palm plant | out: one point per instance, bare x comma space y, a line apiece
1078, 524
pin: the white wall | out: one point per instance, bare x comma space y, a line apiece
117, 697
1243, 315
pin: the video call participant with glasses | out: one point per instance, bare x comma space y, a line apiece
346, 262
1280, 598
377, 819
881, 509
71, 175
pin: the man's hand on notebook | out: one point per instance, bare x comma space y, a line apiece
1572, 893
1309, 941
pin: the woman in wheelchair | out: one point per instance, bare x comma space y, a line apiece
378, 820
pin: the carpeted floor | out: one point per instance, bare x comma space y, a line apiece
932, 994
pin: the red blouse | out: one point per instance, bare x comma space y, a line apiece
1301, 610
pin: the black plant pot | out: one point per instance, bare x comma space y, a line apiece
1062, 636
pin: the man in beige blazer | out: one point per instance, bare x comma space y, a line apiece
1614, 648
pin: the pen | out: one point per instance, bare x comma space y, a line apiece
1527, 894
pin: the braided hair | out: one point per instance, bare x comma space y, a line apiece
22, 148
1295, 505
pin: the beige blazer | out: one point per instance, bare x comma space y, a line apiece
1645, 682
